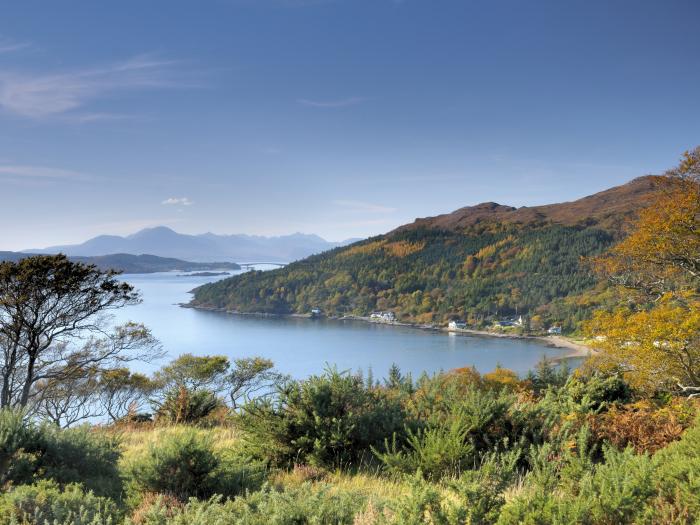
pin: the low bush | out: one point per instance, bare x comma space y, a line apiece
182, 405
296, 506
45, 503
329, 420
80, 455
440, 451
564, 488
456, 424
643, 425
597, 392
18, 440
184, 464
677, 481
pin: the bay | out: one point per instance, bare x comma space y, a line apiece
301, 347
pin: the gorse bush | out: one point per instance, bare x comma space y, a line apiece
677, 481
29, 452
16, 437
301, 505
45, 503
185, 464
327, 420
611, 492
597, 392
81, 455
435, 452
183, 405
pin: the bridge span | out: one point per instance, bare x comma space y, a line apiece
251, 264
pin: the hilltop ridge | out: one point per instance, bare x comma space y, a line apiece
606, 209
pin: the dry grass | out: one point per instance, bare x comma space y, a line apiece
170, 505
136, 439
369, 485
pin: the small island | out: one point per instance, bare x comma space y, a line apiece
203, 274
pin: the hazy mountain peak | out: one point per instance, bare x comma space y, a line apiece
163, 241
154, 231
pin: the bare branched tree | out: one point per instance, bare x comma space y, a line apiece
53, 325
70, 400
252, 377
123, 392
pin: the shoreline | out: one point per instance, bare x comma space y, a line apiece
575, 349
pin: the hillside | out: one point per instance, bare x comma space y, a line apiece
128, 263
477, 263
207, 247
607, 210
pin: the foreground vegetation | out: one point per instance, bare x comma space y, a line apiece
454, 448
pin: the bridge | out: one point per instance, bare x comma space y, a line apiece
251, 264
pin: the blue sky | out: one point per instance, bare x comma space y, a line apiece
343, 118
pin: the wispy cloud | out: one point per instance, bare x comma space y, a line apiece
341, 103
94, 117
177, 201
48, 95
366, 207
40, 172
10, 46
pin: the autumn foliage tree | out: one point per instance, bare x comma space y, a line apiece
655, 338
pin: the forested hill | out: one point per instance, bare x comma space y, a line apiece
477, 263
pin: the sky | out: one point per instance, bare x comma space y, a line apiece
343, 118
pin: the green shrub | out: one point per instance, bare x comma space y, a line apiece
82, 455
422, 504
548, 374
613, 492
182, 405
29, 452
296, 506
677, 480
597, 392
435, 452
327, 420
17, 436
185, 464
460, 425
478, 495
45, 503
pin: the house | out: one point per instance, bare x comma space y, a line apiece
386, 317
511, 321
554, 330
456, 325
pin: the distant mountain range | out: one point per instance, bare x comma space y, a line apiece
128, 263
207, 247
477, 264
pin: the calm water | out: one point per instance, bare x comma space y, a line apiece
301, 347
